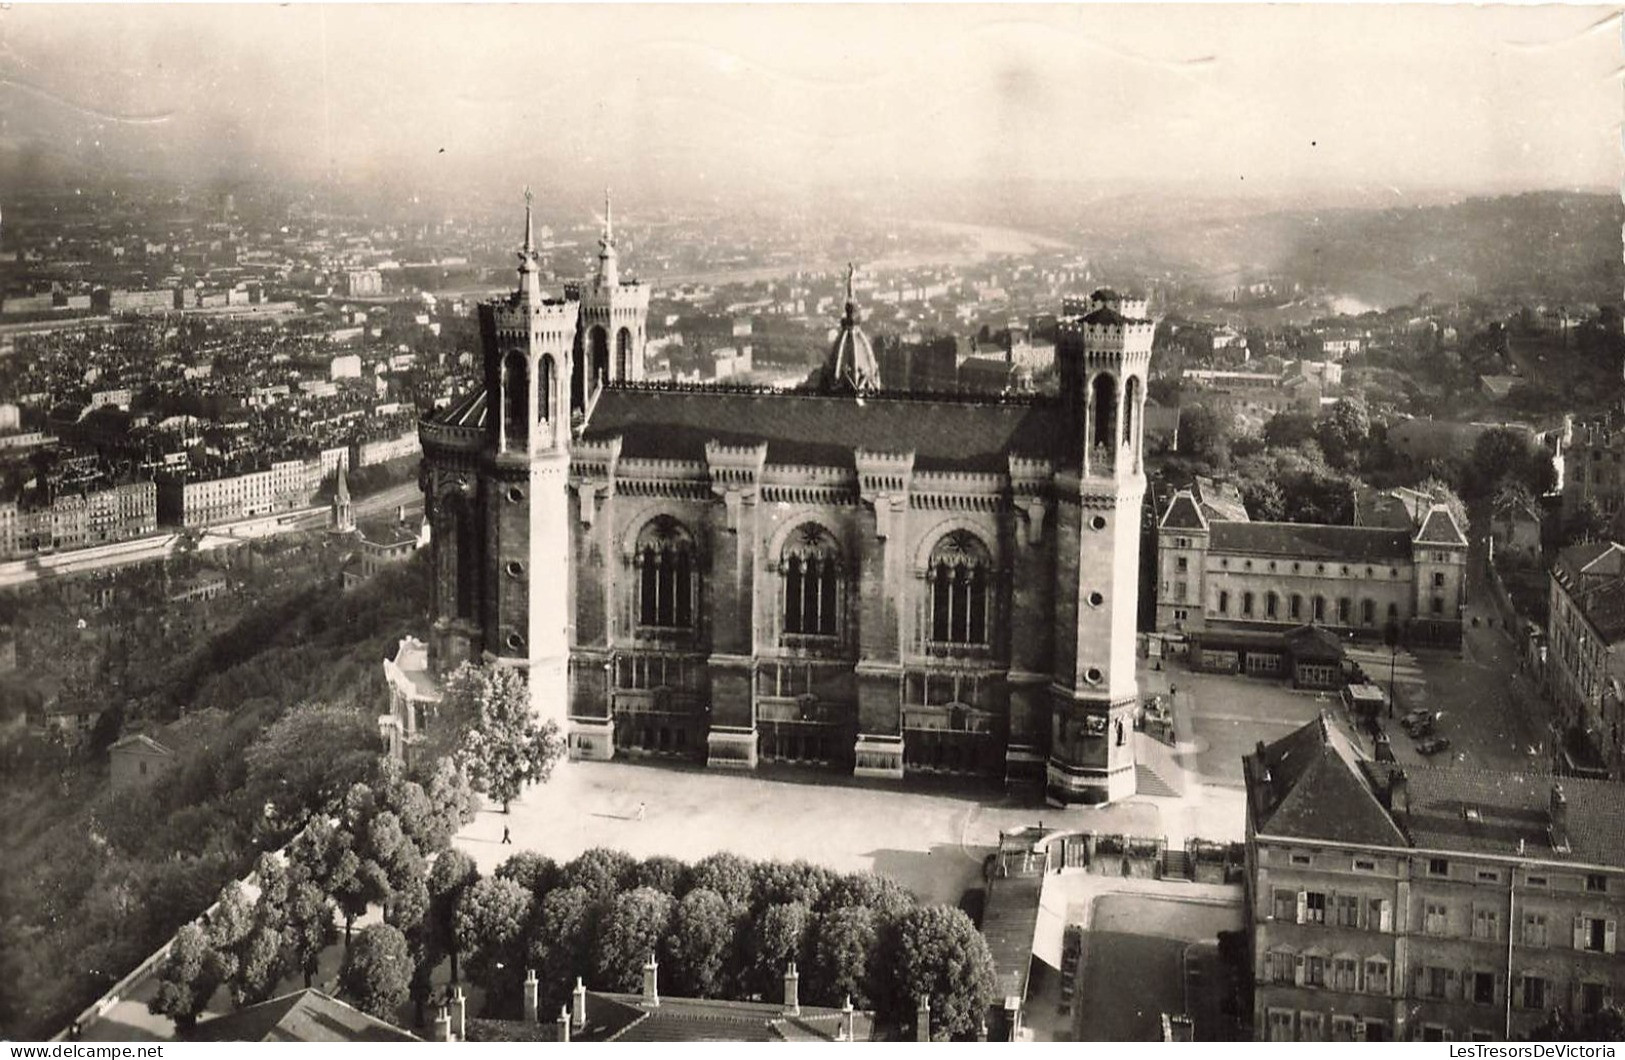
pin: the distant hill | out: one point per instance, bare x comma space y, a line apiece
1536, 246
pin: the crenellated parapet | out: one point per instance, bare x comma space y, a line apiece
1032, 482
957, 491
736, 474
884, 483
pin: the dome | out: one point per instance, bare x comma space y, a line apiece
852, 364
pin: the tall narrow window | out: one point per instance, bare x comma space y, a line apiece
544, 389
599, 360
623, 355
1104, 411
515, 399
812, 567
959, 575
665, 562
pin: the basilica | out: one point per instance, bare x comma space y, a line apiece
843, 575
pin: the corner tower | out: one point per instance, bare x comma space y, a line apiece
614, 324
1103, 357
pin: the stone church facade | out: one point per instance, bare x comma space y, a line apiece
876, 582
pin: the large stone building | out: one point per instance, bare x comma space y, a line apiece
1426, 903
1585, 664
1216, 571
843, 575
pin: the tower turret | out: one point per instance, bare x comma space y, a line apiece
614, 328
851, 365
1102, 357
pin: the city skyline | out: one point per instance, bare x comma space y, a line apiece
877, 99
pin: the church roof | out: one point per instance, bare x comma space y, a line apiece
825, 430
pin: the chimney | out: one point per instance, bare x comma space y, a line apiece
442, 1026
400, 513
849, 1021
1560, 818
792, 991
922, 1020
578, 1006
563, 1024
1399, 792
459, 1012
651, 983
531, 1013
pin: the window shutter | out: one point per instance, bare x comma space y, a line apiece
1608, 937
1303, 906
1387, 915
1297, 974
1579, 932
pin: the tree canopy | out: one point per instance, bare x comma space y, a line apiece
501, 747
377, 971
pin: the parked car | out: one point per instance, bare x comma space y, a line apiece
1432, 745
1418, 723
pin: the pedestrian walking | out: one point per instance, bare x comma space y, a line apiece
506, 838
640, 811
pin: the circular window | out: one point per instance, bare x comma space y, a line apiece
1320, 568
1095, 599
1093, 675
1098, 522
515, 494
515, 569
516, 641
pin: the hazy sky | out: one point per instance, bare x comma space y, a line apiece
1295, 98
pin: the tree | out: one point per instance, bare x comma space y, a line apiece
186, 979
1344, 433
310, 756
794, 881
377, 971
561, 940
603, 872
535, 872
729, 875
309, 929
1263, 499
419, 817
662, 873
491, 919
631, 932
453, 873
936, 952
502, 748
324, 855
227, 927
262, 961
1588, 522
1504, 453
843, 953
701, 944
777, 937
887, 899
1205, 433
1288, 429
453, 800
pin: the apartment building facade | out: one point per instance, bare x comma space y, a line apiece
1426, 904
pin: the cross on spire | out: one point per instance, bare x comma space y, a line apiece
529, 250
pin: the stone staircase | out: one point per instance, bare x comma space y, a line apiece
1156, 771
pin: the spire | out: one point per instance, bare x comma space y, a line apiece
852, 366
608, 271
529, 281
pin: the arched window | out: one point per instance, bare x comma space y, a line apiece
664, 557
811, 565
515, 399
1247, 604
545, 398
1272, 606
1131, 399
1297, 607
1224, 601
1104, 411
1320, 609
1344, 610
959, 574
1368, 612
623, 355
598, 359
461, 555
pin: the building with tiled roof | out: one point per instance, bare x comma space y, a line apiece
650, 1016
848, 574
1585, 660
302, 1016
1426, 903
1225, 574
